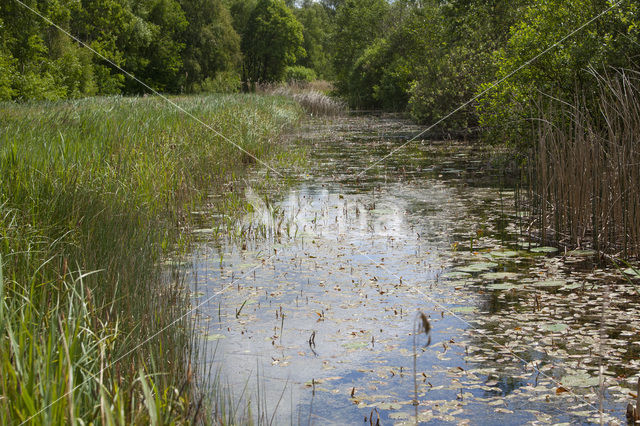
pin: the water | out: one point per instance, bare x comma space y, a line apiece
315, 323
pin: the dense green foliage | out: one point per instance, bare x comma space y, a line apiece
171, 45
94, 193
272, 40
429, 57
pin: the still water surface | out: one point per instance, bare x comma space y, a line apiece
318, 320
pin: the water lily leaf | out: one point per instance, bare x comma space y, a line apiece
549, 283
633, 272
557, 327
544, 250
582, 253
464, 309
499, 275
203, 231
506, 253
571, 286
216, 336
477, 267
388, 406
456, 275
502, 286
580, 379
355, 345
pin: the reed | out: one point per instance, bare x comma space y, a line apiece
312, 97
94, 195
585, 171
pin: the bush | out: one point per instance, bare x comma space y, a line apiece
299, 74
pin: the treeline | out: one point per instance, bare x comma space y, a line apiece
429, 57
422, 56
174, 46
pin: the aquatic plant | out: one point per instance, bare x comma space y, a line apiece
586, 169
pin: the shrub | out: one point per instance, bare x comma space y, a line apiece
299, 74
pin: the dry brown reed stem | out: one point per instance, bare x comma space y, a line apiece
587, 169
308, 95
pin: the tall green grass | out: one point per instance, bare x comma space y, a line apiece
93, 194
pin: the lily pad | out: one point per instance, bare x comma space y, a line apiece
464, 309
477, 267
203, 231
555, 328
506, 253
216, 336
571, 286
499, 275
502, 286
544, 249
549, 283
355, 345
580, 379
456, 275
582, 253
632, 272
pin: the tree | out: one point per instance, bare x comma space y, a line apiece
562, 72
154, 47
272, 40
358, 24
211, 43
317, 29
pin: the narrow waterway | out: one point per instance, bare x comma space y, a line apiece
318, 319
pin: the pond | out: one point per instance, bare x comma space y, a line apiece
320, 318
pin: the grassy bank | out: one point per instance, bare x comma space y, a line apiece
93, 195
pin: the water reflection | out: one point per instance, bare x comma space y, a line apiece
317, 323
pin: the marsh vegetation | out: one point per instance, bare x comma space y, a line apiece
96, 196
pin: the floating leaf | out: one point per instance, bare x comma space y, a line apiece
581, 379
502, 286
549, 283
572, 286
555, 328
477, 267
464, 309
216, 336
544, 250
633, 272
499, 275
203, 231
582, 253
456, 275
355, 345
506, 253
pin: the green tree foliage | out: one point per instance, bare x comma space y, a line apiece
212, 45
358, 24
272, 41
171, 45
563, 72
460, 57
317, 29
154, 51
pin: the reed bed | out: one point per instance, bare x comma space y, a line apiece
312, 97
94, 195
586, 169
